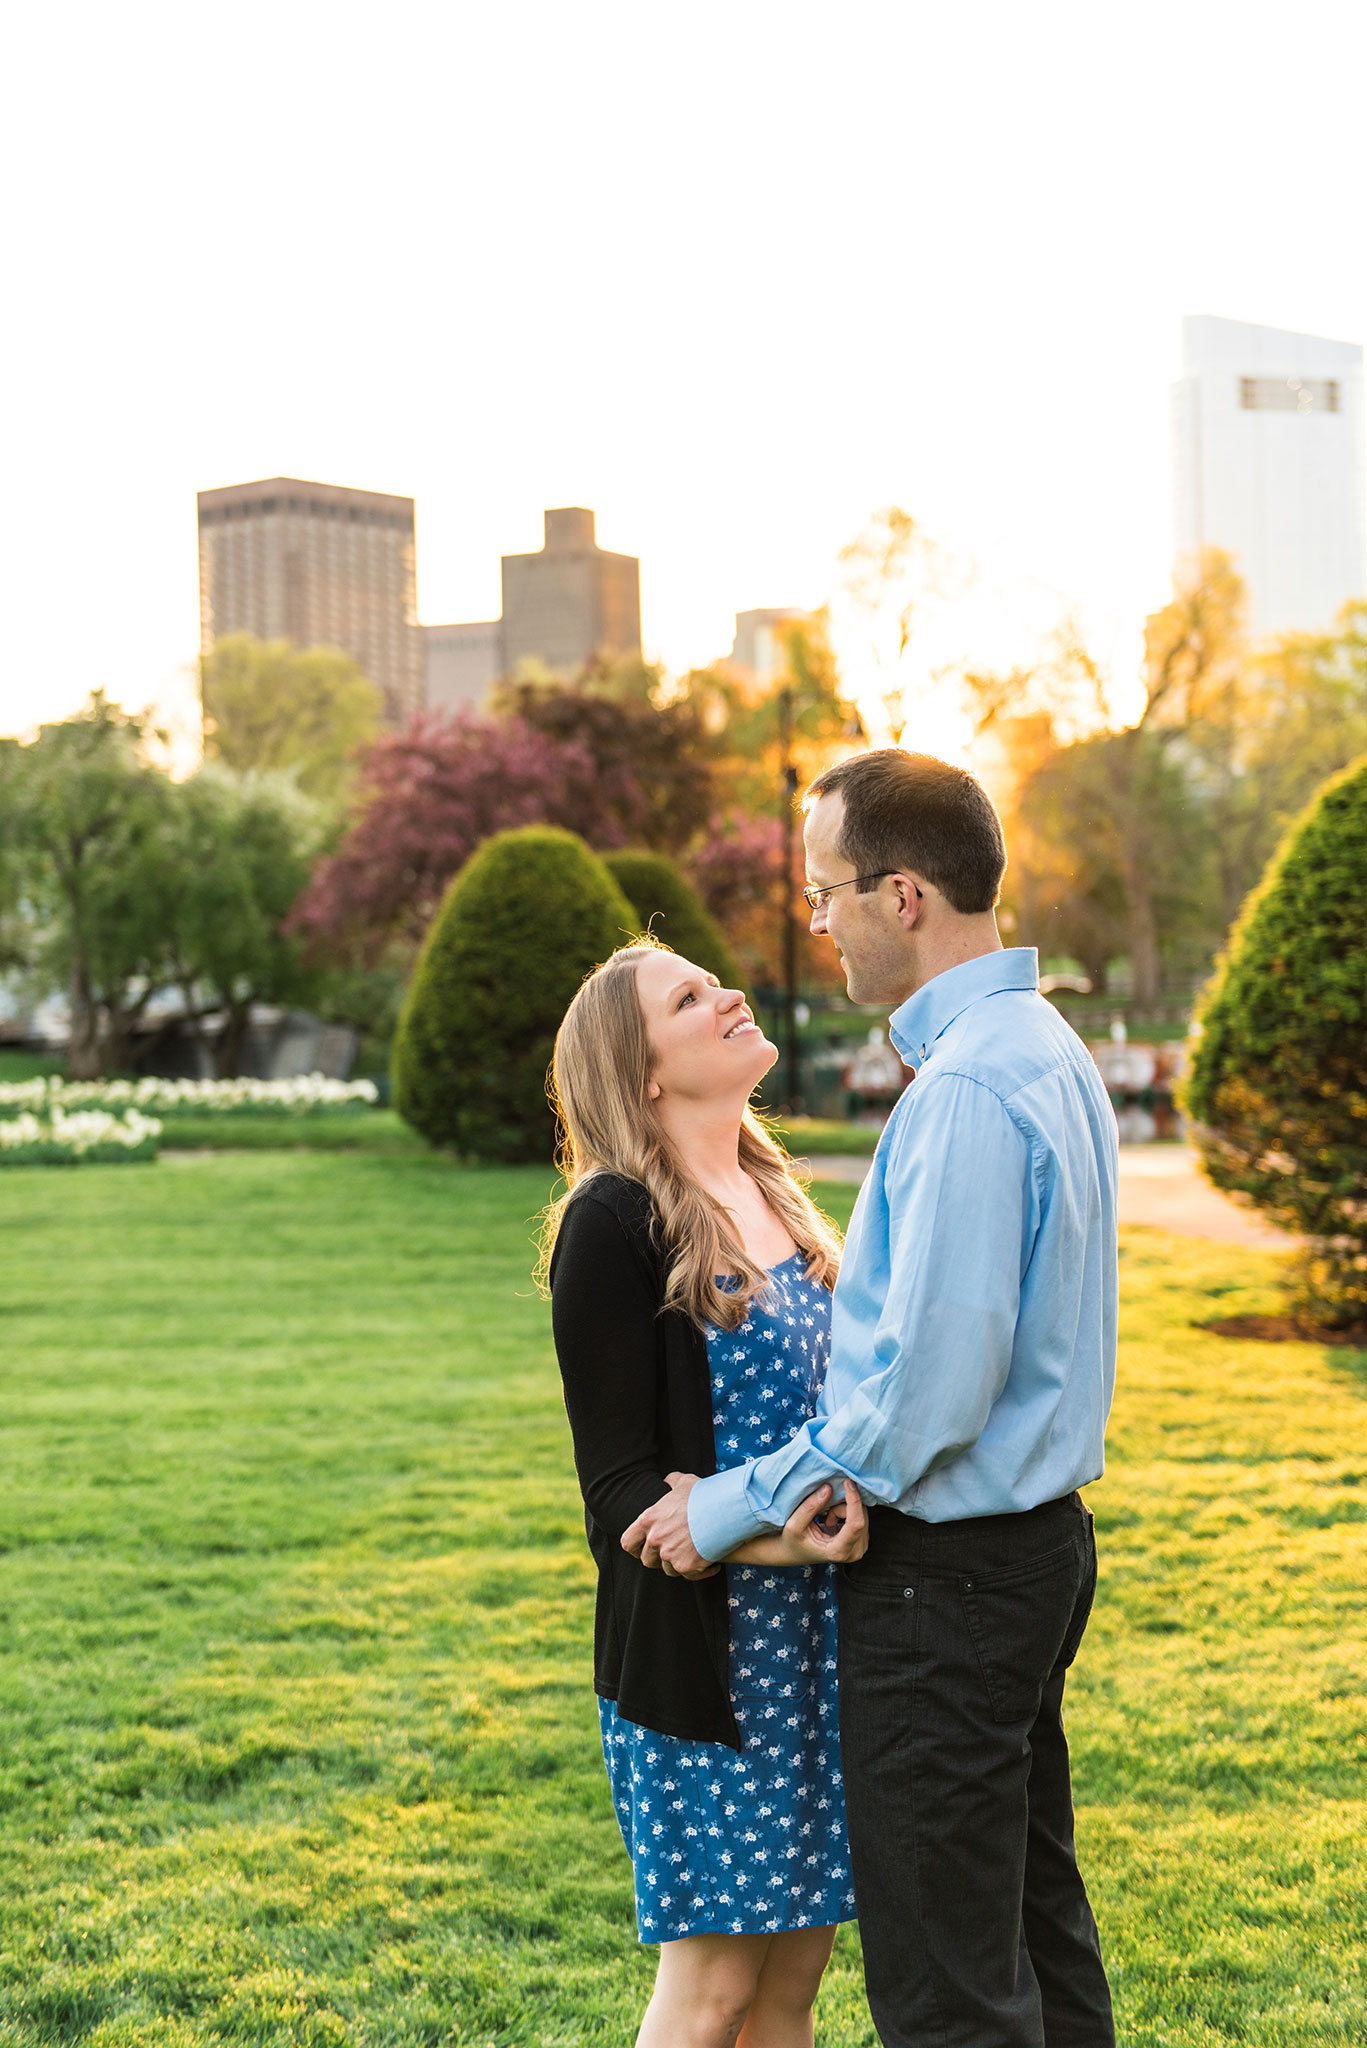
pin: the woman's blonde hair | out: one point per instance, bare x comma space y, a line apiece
601, 1089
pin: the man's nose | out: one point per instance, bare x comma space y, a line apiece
818, 924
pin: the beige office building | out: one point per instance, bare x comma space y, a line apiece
319, 565
572, 600
463, 664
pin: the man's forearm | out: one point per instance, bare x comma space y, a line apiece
730, 1507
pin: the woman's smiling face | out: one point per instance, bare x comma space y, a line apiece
704, 1040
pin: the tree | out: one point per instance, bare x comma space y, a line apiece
1126, 826
1109, 856
893, 574
243, 847
745, 720
17, 936
525, 920
1278, 1081
665, 905
652, 761
88, 818
425, 800
269, 704
1310, 705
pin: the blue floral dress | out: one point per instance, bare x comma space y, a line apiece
750, 1843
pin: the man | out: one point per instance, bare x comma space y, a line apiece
972, 1364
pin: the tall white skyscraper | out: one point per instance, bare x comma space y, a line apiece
1268, 465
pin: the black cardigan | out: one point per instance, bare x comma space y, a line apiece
639, 1402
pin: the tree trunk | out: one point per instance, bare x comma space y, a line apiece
83, 1046
233, 1038
194, 1018
1142, 931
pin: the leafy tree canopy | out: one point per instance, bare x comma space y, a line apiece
269, 704
243, 847
86, 822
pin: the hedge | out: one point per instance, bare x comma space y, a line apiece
1278, 1083
528, 916
666, 905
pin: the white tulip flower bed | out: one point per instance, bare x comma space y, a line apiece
60, 1137
305, 1095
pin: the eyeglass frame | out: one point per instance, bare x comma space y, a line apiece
816, 899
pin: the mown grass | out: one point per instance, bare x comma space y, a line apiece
18, 1064
814, 1135
347, 1130
298, 1742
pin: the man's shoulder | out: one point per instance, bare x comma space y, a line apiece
1009, 1044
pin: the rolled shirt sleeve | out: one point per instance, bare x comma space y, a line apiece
924, 1320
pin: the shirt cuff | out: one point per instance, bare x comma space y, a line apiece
719, 1515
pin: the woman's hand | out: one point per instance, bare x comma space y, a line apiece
804, 1539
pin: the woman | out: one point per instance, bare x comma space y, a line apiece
690, 1284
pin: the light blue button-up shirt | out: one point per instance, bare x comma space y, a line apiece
973, 1328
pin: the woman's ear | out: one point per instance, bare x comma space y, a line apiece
653, 1090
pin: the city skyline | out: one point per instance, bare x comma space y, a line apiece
914, 257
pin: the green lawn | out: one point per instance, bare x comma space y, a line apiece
19, 1065
298, 1740
346, 1130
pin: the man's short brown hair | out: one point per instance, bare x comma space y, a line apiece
910, 811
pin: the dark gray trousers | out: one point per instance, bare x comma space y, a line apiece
955, 1639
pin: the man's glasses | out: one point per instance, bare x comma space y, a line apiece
817, 899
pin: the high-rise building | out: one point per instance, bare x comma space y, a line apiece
1268, 465
319, 565
571, 601
758, 646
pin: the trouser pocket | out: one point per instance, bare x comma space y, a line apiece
1020, 1618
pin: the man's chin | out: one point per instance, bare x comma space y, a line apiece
854, 988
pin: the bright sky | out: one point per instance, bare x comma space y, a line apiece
732, 274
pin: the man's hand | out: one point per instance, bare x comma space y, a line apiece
659, 1538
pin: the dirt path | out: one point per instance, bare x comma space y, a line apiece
1159, 1185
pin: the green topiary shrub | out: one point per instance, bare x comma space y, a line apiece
666, 906
1279, 1073
524, 921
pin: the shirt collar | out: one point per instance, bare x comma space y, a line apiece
916, 1024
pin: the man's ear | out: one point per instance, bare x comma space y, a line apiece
910, 899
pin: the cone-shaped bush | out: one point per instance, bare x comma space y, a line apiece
1279, 1074
524, 921
665, 905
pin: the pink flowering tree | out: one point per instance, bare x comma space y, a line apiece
425, 800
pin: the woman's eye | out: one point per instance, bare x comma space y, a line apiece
689, 998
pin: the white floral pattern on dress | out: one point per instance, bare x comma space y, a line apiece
751, 1842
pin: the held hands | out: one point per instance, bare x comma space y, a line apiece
660, 1537
815, 1533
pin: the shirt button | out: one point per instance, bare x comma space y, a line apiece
908, 1592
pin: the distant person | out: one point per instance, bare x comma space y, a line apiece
690, 1287
874, 1079
972, 1365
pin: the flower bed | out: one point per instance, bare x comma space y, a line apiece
306, 1095
60, 1137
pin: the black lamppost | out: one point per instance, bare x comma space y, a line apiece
792, 1085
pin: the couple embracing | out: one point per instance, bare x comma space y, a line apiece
843, 1564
